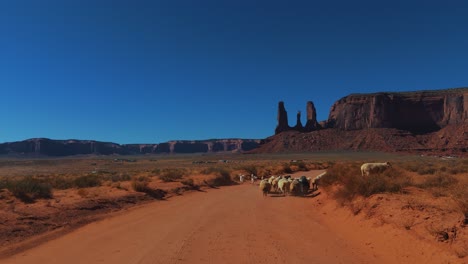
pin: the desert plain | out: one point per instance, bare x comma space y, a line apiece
194, 209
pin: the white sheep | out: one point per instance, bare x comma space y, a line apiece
368, 168
274, 184
294, 187
270, 180
283, 186
265, 187
316, 180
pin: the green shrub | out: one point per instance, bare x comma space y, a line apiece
61, 182
87, 181
424, 170
120, 177
140, 186
223, 177
440, 179
302, 166
352, 183
250, 169
28, 189
188, 182
287, 168
170, 175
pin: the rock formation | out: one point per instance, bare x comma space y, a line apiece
282, 119
433, 121
312, 123
417, 112
298, 126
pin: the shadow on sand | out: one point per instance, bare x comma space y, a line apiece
308, 195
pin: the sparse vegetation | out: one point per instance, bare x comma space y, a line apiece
170, 175
87, 181
141, 184
351, 183
222, 177
28, 189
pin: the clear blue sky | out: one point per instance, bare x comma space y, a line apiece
152, 71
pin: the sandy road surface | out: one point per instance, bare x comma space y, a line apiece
228, 225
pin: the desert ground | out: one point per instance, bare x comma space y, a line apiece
192, 209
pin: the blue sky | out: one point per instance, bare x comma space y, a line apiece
153, 71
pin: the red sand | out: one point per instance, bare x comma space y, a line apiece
236, 225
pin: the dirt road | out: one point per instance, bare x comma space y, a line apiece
228, 225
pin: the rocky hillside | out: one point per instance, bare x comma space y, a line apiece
422, 121
58, 148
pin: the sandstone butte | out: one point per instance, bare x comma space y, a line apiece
434, 121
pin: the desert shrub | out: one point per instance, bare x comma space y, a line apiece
426, 169
460, 195
140, 184
411, 166
118, 177
170, 175
287, 168
222, 178
61, 182
439, 179
188, 182
3, 183
351, 183
212, 170
87, 181
250, 169
301, 166
28, 189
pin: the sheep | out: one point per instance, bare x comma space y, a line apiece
368, 168
294, 186
270, 180
274, 184
265, 187
283, 186
316, 181
304, 184
253, 178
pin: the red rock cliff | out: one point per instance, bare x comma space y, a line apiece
418, 112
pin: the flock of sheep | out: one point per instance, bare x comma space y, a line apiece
289, 185
301, 185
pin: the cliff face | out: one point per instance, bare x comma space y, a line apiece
421, 121
58, 148
417, 112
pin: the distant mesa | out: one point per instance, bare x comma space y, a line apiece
60, 148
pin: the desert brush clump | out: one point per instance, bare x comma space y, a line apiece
250, 169
86, 181
439, 179
170, 175
28, 189
140, 184
222, 178
350, 182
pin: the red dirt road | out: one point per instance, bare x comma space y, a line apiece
227, 225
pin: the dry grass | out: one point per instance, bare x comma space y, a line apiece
28, 189
170, 175
351, 183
